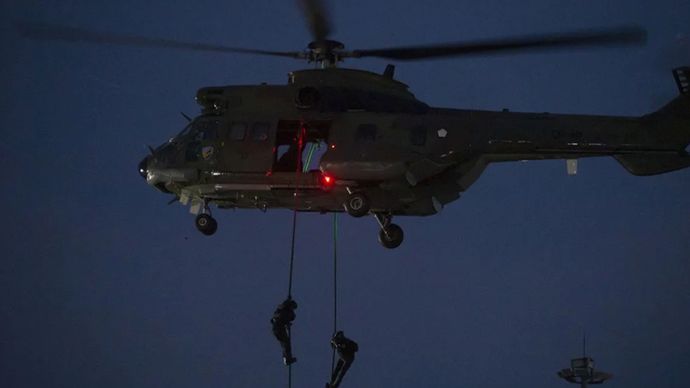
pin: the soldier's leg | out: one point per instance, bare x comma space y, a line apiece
347, 362
281, 334
287, 346
336, 371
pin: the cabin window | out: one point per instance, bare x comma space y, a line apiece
366, 133
260, 131
418, 136
238, 131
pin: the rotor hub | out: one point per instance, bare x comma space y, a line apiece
326, 52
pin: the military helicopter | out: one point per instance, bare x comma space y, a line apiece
335, 139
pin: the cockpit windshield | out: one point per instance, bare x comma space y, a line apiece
184, 132
202, 128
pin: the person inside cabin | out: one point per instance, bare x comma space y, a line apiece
288, 161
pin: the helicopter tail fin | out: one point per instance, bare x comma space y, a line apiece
670, 127
672, 121
679, 106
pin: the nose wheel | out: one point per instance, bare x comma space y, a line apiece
206, 224
390, 235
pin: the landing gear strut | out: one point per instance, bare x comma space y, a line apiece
390, 235
205, 223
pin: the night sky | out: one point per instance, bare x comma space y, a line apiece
103, 284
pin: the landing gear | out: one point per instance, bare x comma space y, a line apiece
206, 224
390, 235
357, 205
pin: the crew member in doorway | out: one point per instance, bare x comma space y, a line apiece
288, 160
346, 349
281, 321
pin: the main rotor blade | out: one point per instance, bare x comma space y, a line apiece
317, 18
608, 37
41, 31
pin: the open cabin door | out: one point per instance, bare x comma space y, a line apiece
314, 144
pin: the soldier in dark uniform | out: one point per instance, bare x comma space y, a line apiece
281, 321
346, 349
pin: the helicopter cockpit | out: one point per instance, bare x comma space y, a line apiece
200, 138
178, 159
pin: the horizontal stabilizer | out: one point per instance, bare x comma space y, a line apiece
653, 164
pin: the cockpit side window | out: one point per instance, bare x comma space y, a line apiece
183, 133
238, 131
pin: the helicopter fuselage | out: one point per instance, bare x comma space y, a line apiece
329, 133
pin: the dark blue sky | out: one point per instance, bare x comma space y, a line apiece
102, 284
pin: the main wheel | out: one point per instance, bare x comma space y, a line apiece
391, 237
357, 205
206, 224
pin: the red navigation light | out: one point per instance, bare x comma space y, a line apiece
327, 181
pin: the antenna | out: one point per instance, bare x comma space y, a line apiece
584, 343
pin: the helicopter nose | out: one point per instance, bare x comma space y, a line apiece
143, 167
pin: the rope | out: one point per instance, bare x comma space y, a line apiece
335, 285
335, 272
292, 249
300, 143
290, 376
300, 168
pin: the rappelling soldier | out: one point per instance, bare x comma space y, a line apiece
346, 349
281, 321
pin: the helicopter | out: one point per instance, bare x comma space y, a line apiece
344, 140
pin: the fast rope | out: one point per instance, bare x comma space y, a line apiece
307, 163
335, 284
298, 170
300, 142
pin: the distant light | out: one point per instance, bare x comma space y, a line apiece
332, 146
